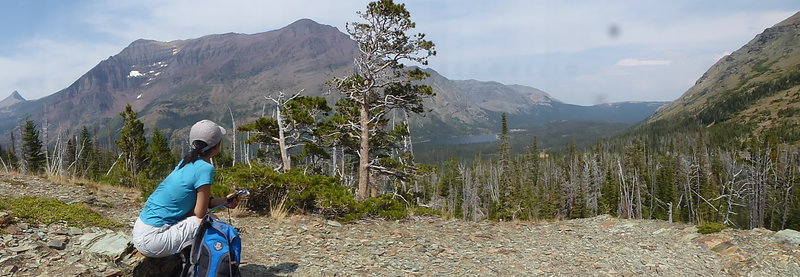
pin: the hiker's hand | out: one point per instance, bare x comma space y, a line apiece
233, 203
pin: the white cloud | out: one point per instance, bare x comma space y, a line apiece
635, 62
45, 66
520, 28
186, 19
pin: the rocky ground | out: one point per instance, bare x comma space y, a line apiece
419, 246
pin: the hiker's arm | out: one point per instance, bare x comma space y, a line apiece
217, 201
201, 206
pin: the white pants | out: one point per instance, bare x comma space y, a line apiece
156, 242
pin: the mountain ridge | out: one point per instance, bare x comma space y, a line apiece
730, 87
225, 77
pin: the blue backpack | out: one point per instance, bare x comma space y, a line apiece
216, 250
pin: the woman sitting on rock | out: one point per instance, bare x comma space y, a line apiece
172, 214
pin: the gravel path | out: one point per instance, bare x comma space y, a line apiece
432, 246
307, 246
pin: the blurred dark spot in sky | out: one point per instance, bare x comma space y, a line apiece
613, 30
600, 99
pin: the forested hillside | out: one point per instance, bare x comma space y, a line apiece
725, 152
754, 91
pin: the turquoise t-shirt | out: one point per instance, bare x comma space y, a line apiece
176, 196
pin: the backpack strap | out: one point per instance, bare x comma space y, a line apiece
194, 254
186, 264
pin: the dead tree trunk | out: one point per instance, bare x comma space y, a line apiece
761, 164
363, 154
626, 195
233, 130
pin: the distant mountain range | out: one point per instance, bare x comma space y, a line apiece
173, 84
756, 86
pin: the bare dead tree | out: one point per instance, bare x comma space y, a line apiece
54, 162
435, 199
638, 186
734, 188
760, 162
245, 151
80, 148
495, 173
625, 209
593, 178
233, 130
110, 168
689, 170
334, 155
46, 143
5, 166
471, 199
570, 189
281, 103
786, 175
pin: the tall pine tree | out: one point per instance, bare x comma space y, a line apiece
161, 159
70, 156
506, 186
11, 155
88, 163
132, 144
380, 84
32, 148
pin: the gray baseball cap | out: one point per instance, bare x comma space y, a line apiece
206, 131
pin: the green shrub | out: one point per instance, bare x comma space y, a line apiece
710, 227
305, 193
385, 206
246, 177
315, 194
46, 211
329, 199
425, 211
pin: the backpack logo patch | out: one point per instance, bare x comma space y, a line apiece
218, 246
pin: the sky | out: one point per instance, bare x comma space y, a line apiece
579, 51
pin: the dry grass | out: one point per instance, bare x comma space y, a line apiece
278, 210
75, 181
8, 175
241, 209
91, 185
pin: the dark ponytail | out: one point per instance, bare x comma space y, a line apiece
196, 153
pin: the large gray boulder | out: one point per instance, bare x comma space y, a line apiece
109, 246
789, 237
